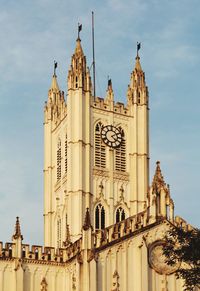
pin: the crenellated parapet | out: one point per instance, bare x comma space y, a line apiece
41, 255
104, 104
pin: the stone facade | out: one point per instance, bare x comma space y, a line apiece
104, 222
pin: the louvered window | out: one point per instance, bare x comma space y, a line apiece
120, 214
66, 154
59, 233
59, 160
120, 155
99, 217
100, 148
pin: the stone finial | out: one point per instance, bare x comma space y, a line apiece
17, 233
158, 180
87, 222
43, 285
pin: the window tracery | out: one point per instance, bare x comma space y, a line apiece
120, 214
99, 217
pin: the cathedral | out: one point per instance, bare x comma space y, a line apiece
104, 221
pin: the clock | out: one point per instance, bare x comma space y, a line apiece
111, 136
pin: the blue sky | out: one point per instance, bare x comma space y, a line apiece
35, 33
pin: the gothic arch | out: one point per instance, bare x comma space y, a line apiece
100, 215
120, 214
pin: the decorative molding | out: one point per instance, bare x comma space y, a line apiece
116, 284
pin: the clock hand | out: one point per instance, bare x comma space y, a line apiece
114, 136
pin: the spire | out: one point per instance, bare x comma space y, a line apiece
17, 234
87, 223
54, 84
158, 180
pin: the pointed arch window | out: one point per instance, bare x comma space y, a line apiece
66, 154
76, 82
100, 148
99, 217
120, 155
59, 160
120, 214
59, 232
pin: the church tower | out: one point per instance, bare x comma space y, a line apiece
96, 154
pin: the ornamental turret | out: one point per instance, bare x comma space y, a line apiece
79, 75
137, 92
55, 105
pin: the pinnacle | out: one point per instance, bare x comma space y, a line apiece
158, 180
17, 233
87, 222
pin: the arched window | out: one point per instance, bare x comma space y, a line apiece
76, 82
59, 232
120, 214
120, 155
100, 148
138, 97
99, 217
59, 160
66, 154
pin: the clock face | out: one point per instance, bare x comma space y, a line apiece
111, 136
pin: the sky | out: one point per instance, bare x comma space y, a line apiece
35, 33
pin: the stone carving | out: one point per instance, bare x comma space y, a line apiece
115, 281
157, 259
73, 282
44, 285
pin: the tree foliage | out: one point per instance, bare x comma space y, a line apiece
183, 248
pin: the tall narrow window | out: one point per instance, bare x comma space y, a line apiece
100, 148
59, 160
76, 82
120, 214
99, 217
66, 154
59, 232
120, 155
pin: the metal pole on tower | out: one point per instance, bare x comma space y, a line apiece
93, 54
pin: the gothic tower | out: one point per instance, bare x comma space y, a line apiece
96, 153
